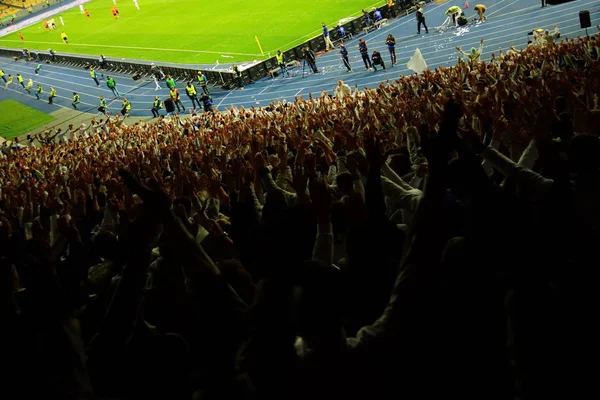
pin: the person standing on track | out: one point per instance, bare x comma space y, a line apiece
421, 20
76, 100
52, 96
480, 8
344, 54
94, 77
203, 81
38, 91
328, 43
125, 107
364, 52
156, 106
176, 98
192, 94
170, 82
281, 63
29, 85
103, 106
64, 37
238, 76
112, 85
2, 75
391, 45
37, 69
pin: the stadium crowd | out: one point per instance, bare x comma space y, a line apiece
434, 236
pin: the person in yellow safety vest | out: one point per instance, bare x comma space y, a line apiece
174, 94
453, 12
20, 80
125, 107
480, 8
281, 63
38, 91
156, 106
93, 75
203, 81
192, 94
103, 106
29, 85
2, 73
52, 96
76, 100
9, 81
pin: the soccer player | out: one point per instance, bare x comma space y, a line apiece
20, 80
62, 21
281, 63
64, 37
176, 98
2, 75
115, 12
156, 106
421, 20
21, 36
391, 45
135, 3
480, 8
112, 85
87, 14
38, 91
125, 107
344, 53
37, 69
29, 85
52, 96
76, 100
94, 77
203, 81
328, 43
103, 106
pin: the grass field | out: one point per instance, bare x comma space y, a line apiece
17, 119
189, 31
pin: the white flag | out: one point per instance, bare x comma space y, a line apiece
417, 62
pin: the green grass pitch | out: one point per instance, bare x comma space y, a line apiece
17, 119
189, 31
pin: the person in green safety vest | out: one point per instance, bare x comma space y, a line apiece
76, 100
39, 90
29, 85
170, 82
37, 69
2, 75
112, 85
21, 80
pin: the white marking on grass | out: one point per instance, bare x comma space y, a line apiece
141, 48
